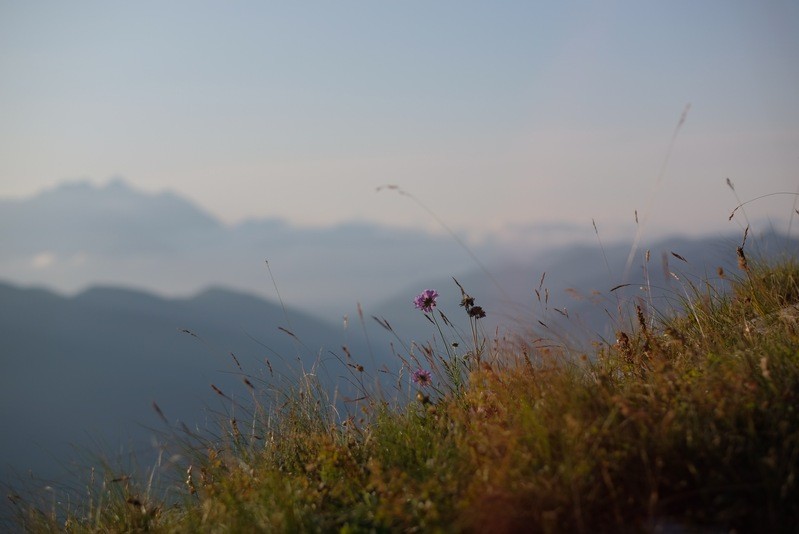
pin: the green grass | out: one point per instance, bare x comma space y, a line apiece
692, 421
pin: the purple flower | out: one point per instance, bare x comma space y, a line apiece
426, 300
422, 377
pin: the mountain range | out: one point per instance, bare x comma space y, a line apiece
114, 299
87, 369
77, 234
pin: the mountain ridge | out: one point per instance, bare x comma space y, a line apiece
73, 236
88, 367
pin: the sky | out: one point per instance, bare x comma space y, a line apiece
505, 119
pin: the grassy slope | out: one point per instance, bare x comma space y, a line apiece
693, 421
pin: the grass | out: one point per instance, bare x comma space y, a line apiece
687, 421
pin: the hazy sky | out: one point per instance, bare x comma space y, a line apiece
498, 115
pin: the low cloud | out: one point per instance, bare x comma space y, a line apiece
43, 260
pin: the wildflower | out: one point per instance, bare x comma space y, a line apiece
422, 377
426, 300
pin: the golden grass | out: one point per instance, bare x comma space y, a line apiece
690, 422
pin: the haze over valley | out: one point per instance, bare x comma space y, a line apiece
113, 299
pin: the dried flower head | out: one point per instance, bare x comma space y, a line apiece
477, 312
467, 302
742, 263
426, 300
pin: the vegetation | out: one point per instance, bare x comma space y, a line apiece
687, 420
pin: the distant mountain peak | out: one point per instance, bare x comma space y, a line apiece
115, 187
84, 185
114, 218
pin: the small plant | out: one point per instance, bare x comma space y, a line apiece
455, 364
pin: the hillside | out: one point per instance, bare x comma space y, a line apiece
83, 370
682, 422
